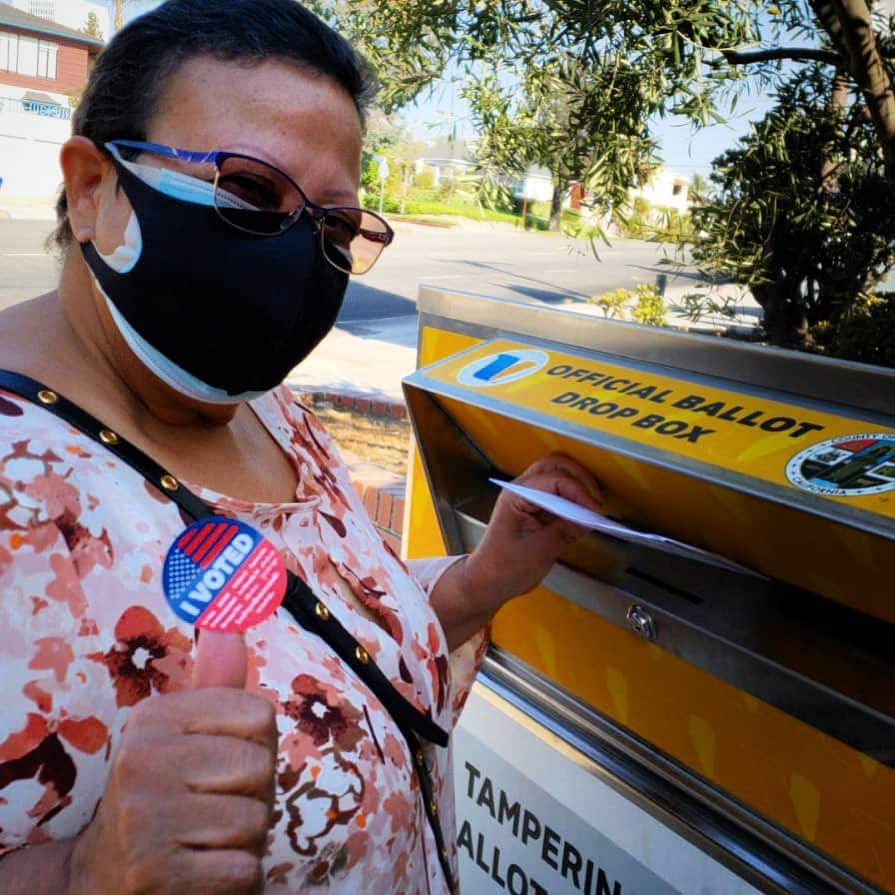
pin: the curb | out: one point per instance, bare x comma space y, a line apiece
377, 407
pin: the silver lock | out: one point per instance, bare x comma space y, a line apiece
641, 622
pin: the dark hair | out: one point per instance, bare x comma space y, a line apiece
131, 73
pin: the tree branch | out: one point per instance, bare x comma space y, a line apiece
804, 54
850, 27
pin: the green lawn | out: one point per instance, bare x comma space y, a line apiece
431, 210
429, 205
460, 210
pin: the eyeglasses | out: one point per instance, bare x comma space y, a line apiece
255, 197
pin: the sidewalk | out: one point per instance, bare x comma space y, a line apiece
368, 362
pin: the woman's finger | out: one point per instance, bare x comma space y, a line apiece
560, 464
563, 486
572, 532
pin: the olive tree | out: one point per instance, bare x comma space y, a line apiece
577, 86
800, 213
567, 84
574, 85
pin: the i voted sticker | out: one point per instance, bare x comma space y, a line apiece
222, 575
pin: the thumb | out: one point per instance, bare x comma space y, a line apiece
221, 660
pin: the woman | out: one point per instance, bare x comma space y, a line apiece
192, 282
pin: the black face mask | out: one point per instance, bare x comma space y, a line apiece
233, 310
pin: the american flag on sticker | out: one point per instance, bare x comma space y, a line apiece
222, 575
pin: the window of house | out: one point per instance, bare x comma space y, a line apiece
28, 55
27, 64
46, 59
8, 50
45, 9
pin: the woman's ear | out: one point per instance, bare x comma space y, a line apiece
84, 168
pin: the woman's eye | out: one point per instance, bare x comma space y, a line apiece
255, 190
339, 229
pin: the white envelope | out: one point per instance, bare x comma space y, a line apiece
574, 512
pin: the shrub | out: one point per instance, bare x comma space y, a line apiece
866, 334
425, 180
642, 304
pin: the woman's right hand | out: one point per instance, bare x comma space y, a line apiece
189, 798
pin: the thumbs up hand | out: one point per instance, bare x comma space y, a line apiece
190, 794
221, 661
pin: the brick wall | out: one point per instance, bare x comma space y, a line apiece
383, 495
381, 407
385, 504
71, 66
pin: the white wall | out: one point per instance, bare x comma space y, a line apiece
29, 147
660, 191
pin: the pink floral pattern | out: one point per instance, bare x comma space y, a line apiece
85, 634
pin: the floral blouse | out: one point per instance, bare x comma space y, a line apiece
86, 633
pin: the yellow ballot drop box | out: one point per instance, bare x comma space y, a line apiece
647, 721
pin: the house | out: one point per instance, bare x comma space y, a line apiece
666, 190
447, 160
70, 13
534, 185
42, 65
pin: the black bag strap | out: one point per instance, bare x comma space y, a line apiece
300, 601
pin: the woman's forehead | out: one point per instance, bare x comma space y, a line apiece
273, 109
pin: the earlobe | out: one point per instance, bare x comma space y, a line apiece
84, 168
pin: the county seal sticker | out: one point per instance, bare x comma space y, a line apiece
848, 466
222, 575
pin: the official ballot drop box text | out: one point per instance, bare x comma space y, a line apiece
647, 723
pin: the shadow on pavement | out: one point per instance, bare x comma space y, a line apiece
362, 299
542, 295
673, 274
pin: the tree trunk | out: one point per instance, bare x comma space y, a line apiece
559, 193
839, 104
850, 27
119, 15
784, 320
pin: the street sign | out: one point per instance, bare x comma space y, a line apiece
382, 165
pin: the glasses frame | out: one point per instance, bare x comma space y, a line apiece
317, 213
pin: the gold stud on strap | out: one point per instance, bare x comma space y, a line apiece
45, 396
169, 483
433, 806
107, 436
321, 612
362, 655
444, 853
420, 758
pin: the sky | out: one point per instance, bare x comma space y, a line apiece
690, 152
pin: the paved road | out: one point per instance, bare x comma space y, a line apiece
374, 343
26, 269
532, 267
524, 266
